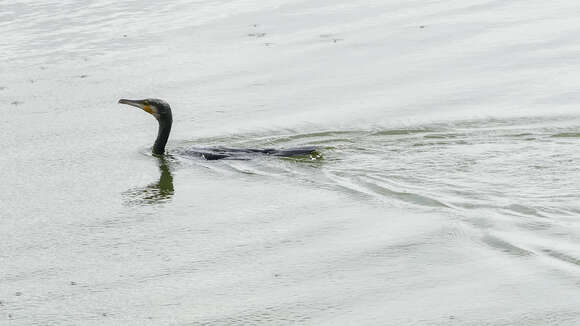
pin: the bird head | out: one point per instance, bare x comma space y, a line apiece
156, 107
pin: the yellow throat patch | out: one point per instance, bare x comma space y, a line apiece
148, 109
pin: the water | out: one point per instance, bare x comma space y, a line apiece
446, 193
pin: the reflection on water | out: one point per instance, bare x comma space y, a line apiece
162, 191
154, 193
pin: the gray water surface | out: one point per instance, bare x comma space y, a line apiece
445, 193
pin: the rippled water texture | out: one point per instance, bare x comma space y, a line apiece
444, 189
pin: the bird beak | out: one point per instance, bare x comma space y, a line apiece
138, 104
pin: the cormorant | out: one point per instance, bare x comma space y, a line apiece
162, 112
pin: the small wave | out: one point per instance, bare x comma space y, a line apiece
562, 256
505, 246
358, 184
523, 210
567, 135
445, 135
319, 137
405, 196
390, 132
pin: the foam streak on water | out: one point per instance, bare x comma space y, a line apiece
446, 191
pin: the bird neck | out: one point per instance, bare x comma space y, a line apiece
162, 135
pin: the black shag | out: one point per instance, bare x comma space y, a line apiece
162, 112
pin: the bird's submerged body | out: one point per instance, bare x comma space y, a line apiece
162, 112
218, 153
